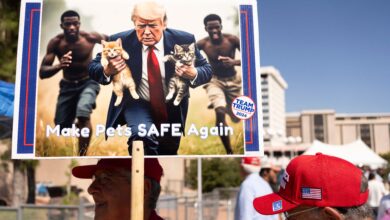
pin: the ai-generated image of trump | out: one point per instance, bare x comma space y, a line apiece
151, 72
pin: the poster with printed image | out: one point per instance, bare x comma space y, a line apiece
93, 76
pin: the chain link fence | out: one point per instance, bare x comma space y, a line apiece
218, 204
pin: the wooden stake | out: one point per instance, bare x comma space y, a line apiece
137, 181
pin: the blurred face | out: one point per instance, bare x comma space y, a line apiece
71, 27
111, 193
149, 32
273, 176
214, 29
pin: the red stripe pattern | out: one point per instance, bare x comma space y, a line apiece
311, 193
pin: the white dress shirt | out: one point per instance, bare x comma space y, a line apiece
143, 87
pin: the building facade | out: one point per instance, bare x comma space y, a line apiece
332, 128
273, 88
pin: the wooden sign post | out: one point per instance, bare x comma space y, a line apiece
137, 181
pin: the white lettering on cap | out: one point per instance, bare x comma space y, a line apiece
284, 180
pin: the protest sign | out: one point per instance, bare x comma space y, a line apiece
43, 92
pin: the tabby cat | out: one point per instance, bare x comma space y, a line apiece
182, 55
124, 78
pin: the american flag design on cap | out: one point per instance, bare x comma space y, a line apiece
302, 185
311, 193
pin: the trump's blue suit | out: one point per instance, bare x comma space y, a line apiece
133, 112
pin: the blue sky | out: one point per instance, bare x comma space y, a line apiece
334, 54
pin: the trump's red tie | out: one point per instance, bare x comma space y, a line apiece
157, 99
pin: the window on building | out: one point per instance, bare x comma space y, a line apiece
265, 110
264, 80
365, 134
319, 133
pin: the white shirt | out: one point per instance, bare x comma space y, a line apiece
376, 192
252, 187
143, 87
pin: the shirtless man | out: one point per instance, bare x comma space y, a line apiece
78, 92
225, 85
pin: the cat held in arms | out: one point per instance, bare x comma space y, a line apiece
124, 78
182, 55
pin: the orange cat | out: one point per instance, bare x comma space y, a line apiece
124, 78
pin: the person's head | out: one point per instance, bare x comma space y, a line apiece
213, 26
250, 165
70, 23
371, 175
269, 171
380, 171
149, 20
318, 187
270, 175
111, 186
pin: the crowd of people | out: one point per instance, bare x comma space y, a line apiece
379, 197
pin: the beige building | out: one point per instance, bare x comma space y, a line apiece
327, 126
273, 88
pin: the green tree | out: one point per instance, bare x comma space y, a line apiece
386, 156
216, 173
9, 20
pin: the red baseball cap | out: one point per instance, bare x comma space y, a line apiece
152, 168
316, 180
250, 164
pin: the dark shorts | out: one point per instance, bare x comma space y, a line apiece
76, 99
223, 90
